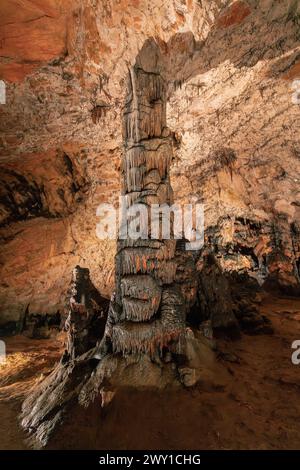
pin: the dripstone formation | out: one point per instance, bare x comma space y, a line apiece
147, 313
231, 110
86, 315
146, 318
144, 342
48, 401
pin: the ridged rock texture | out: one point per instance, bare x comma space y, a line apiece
148, 311
47, 403
234, 126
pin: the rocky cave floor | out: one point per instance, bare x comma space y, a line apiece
257, 409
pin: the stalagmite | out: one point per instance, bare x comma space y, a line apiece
147, 157
146, 316
47, 404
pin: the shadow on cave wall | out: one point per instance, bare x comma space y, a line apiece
186, 58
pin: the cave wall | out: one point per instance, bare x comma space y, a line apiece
230, 108
236, 126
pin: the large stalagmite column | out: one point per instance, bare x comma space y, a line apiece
148, 312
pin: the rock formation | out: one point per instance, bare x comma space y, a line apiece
148, 312
61, 135
86, 317
187, 100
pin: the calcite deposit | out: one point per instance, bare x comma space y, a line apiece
162, 102
231, 68
86, 314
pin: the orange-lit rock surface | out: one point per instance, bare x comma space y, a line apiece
232, 68
235, 14
32, 33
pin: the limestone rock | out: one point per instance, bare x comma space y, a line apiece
228, 73
46, 405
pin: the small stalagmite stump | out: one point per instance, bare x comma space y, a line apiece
49, 400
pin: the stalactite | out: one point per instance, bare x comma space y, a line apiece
132, 131
134, 158
134, 179
132, 338
98, 112
147, 258
143, 338
151, 244
138, 310
155, 160
134, 262
141, 297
